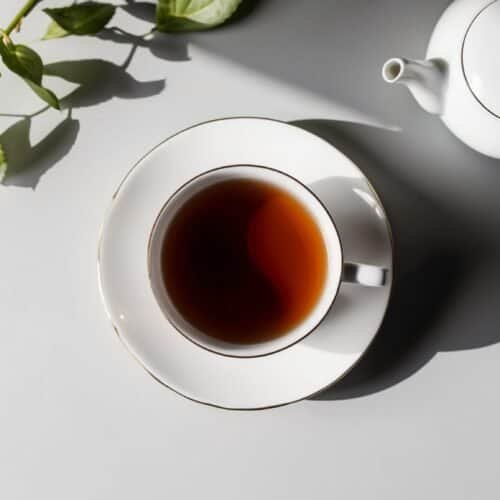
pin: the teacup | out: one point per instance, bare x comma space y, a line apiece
336, 270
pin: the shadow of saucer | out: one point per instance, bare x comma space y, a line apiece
438, 257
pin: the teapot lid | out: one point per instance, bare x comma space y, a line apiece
481, 57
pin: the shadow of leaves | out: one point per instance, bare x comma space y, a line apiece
145, 11
28, 162
99, 81
163, 46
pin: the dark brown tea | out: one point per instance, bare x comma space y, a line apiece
244, 261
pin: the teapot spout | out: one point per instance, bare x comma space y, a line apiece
424, 79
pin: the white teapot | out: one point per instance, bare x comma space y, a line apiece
460, 78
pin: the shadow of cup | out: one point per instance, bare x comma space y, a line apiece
436, 256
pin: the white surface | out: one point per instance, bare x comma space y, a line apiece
348, 326
79, 418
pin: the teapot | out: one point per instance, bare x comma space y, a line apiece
460, 78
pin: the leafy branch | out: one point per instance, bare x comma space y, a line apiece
89, 18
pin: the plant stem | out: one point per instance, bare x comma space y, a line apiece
28, 6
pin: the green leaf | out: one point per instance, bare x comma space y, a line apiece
26, 63
31, 63
87, 18
23, 61
45, 94
54, 31
3, 163
193, 15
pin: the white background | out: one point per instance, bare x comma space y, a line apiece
80, 419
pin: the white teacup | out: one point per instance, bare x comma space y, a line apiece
337, 269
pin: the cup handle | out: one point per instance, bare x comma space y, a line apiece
364, 274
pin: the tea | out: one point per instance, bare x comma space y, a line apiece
244, 261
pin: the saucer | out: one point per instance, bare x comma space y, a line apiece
297, 372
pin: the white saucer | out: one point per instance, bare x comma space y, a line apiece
252, 383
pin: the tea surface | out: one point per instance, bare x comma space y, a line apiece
244, 261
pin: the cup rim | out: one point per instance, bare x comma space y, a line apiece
189, 337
